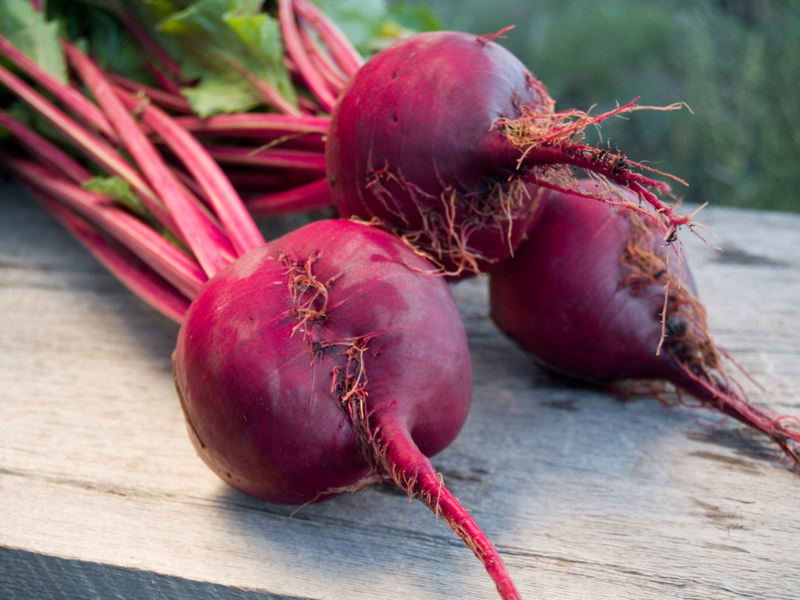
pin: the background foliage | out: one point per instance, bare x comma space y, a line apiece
736, 63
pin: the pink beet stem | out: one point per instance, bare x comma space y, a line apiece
297, 52
414, 472
265, 125
301, 160
728, 402
78, 105
224, 200
303, 198
322, 62
163, 98
94, 147
151, 247
259, 180
176, 197
128, 269
344, 54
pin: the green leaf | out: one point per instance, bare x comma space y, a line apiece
223, 42
359, 20
120, 190
98, 32
29, 31
371, 25
221, 93
415, 17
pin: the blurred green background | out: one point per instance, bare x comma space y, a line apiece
736, 63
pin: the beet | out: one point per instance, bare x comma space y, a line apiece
436, 138
586, 294
324, 361
286, 352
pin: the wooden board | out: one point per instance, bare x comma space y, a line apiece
586, 496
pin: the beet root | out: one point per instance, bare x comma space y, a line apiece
597, 294
438, 138
307, 369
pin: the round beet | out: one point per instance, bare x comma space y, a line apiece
587, 294
437, 136
324, 361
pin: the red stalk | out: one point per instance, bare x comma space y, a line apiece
95, 148
224, 200
128, 269
164, 98
297, 52
179, 202
171, 263
274, 179
56, 158
300, 160
78, 104
345, 55
257, 125
303, 198
322, 63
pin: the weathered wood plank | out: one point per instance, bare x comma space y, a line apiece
585, 495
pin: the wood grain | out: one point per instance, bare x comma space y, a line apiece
586, 496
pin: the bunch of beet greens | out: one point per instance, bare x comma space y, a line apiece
458, 168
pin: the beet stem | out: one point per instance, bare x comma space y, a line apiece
297, 52
303, 198
179, 202
414, 472
162, 97
268, 157
346, 57
267, 125
728, 402
78, 104
151, 247
224, 199
91, 145
128, 269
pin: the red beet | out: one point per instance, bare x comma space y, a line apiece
586, 294
330, 330
436, 136
324, 361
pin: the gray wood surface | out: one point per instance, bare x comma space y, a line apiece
586, 496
